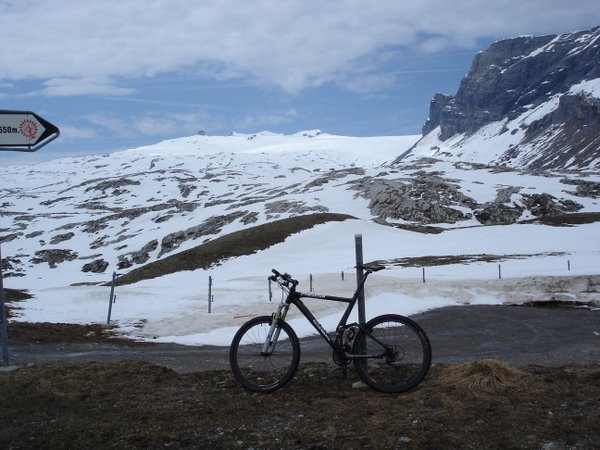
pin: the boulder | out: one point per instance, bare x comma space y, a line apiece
96, 266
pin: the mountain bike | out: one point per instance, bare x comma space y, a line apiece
391, 353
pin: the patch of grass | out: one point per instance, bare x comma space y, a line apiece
567, 219
444, 260
44, 332
239, 243
424, 229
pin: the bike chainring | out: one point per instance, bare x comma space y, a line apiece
340, 360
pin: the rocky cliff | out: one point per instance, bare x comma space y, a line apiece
537, 99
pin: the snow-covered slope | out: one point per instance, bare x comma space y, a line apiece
100, 214
67, 225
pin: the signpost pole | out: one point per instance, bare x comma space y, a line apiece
3, 327
20, 131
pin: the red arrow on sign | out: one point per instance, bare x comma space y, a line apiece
25, 131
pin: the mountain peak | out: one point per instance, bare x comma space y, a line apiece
537, 98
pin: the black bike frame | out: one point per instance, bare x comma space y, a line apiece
294, 299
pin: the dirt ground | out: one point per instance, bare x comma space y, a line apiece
131, 399
134, 404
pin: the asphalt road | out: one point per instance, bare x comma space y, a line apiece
518, 335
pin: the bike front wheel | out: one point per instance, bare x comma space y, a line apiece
260, 371
392, 353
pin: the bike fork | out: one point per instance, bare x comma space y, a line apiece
274, 330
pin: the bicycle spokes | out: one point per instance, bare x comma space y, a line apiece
397, 354
261, 370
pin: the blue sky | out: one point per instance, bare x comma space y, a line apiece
119, 74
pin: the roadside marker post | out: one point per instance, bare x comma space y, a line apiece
210, 296
112, 299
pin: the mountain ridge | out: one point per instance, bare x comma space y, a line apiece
536, 99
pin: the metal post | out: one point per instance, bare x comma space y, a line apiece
209, 293
16, 143
342, 275
423, 274
3, 326
361, 296
270, 290
311, 286
499, 272
111, 299
568, 264
359, 274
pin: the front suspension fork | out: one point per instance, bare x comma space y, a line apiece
274, 329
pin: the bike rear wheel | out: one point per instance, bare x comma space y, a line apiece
256, 370
397, 353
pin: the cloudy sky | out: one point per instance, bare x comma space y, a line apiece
120, 74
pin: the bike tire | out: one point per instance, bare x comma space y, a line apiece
258, 372
400, 370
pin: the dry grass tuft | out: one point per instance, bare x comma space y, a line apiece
485, 376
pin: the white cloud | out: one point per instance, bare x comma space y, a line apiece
73, 133
80, 86
290, 44
151, 124
266, 119
177, 124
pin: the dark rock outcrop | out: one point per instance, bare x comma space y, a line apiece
544, 205
426, 199
512, 74
96, 266
54, 256
210, 226
498, 214
516, 75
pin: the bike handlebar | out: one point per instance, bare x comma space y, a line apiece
284, 276
287, 278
